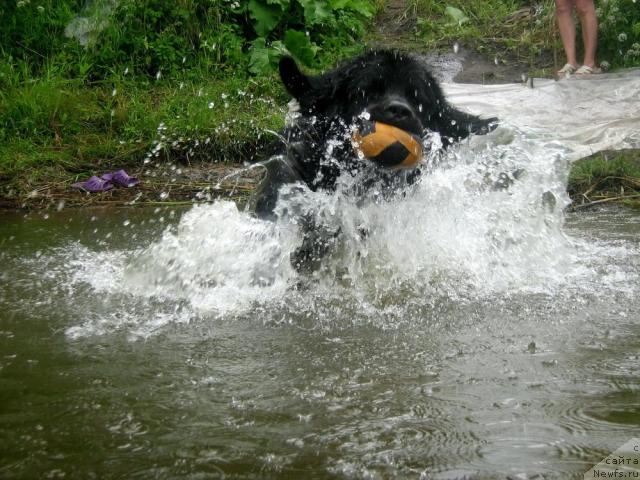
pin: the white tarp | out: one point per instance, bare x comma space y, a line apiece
586, 115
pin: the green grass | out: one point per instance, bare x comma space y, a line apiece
525, 31
52, 121
606, 177
54, 132
499, 28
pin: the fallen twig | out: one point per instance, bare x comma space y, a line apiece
605, 200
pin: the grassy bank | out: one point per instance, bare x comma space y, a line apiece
191, 85
606, 178
504, 31
63, 131
152, 82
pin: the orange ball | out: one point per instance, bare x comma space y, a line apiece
388, 146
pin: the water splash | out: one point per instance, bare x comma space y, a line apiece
217, 258
485, 220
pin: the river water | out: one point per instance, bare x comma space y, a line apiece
470, 328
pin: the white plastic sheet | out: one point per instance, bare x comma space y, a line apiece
584, 114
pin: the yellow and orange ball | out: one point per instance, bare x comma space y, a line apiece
388, 146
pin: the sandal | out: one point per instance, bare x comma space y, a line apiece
121, 178
586, 70
567, 70
107, 182
93, 185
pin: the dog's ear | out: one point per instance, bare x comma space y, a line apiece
296, 82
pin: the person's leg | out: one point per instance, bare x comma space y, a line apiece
564, 16
587, 13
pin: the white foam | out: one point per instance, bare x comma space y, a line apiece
217, 258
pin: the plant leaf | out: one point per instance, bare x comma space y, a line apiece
259, 57
456, 15
300, 46
266, 16
366, 9
315, 11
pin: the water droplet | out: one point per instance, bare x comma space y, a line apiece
126, 223
113, 93
456, 47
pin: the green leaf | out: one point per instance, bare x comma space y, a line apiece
315, 11
339, 4
364, 8
263, 58
457, 15
278, 49
266, 16
259, 57
300, 46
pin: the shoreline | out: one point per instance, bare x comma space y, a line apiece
183, 176
604, 178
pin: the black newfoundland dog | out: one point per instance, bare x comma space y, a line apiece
385, 86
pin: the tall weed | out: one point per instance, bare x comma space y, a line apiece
619, 32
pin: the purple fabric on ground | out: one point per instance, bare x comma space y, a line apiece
94, 184
122, 178
107, 182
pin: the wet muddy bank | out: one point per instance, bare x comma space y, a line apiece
603, 178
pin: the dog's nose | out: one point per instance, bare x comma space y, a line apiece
399, 110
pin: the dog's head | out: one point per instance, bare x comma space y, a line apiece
387, 86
